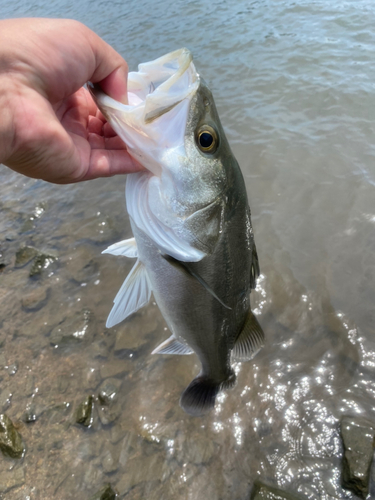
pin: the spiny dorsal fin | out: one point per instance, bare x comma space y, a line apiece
255, 270
127, 248
184, 267
249, 341
134, 294
172, 346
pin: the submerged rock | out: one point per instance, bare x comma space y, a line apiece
84, 413
71, 330
108, 390
24, 255
263, 492
106, 493
10, 439
41, 261
35, 300
358, 440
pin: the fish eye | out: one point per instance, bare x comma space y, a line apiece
207, 139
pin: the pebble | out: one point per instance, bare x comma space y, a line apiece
358, 440
84, 412
10, 439
109, 390
106, 493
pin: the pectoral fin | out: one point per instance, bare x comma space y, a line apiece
184, 267
254, 271
134, 294
249, 341
172, 346
128, 248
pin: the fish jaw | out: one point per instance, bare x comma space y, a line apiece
154, 121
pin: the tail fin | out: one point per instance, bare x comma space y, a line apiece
199, 397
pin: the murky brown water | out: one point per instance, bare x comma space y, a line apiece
294, 87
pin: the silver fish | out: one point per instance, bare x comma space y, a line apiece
190, 217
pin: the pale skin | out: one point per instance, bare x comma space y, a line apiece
50, 128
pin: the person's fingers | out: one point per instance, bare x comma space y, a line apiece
108, 130
96, 141
105, 163
95, 126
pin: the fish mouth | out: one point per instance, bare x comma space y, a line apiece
155, 117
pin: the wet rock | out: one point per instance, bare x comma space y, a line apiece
41, 261
10, 236
106, 493
24, 255
358, 440
12, 369
72, 330
10, 479
264, 492
10, 439
108, 391
36, 299
110, 408
108, 414
5, 398
84, 413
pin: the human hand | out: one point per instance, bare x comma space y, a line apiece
50, 127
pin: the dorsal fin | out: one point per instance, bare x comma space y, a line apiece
172, 346
249, 341
127, 248
134, 294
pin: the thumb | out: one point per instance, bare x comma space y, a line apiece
115, 85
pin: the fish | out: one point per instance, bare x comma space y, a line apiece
190, 217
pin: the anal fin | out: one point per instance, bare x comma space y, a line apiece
249, 341
172, 346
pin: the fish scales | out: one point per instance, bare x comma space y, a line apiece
191, 222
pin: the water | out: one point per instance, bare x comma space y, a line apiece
293, 83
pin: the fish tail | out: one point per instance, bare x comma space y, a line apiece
199, 397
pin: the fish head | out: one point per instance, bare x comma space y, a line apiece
171, 127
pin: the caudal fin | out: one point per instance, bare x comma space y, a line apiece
199, 397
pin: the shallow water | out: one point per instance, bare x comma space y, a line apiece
293, 83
